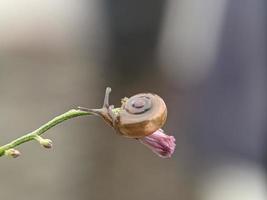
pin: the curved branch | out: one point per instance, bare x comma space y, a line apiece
35, 135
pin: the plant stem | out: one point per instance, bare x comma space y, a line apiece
32, 135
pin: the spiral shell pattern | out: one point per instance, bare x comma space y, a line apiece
142, 115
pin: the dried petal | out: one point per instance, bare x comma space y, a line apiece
160, 143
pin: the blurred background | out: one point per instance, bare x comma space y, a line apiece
207, 59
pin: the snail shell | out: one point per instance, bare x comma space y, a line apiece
141, 115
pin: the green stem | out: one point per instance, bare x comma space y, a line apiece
32, 135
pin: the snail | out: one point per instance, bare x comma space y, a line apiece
138, 116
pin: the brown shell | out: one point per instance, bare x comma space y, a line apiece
134, 123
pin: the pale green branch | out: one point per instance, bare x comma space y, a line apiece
34, 134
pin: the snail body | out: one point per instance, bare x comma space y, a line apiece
141, 115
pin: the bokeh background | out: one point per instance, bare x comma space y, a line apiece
207, 59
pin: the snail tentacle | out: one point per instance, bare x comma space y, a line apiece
106, 112
94, 111
106, 98
109, 108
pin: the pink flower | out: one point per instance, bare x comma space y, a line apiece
161, 144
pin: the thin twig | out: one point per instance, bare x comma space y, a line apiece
34, 135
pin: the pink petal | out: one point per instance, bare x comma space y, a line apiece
160, 143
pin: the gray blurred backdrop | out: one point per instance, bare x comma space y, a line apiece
207, 59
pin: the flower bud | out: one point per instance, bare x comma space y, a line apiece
160, 143
46, 143
13, 153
